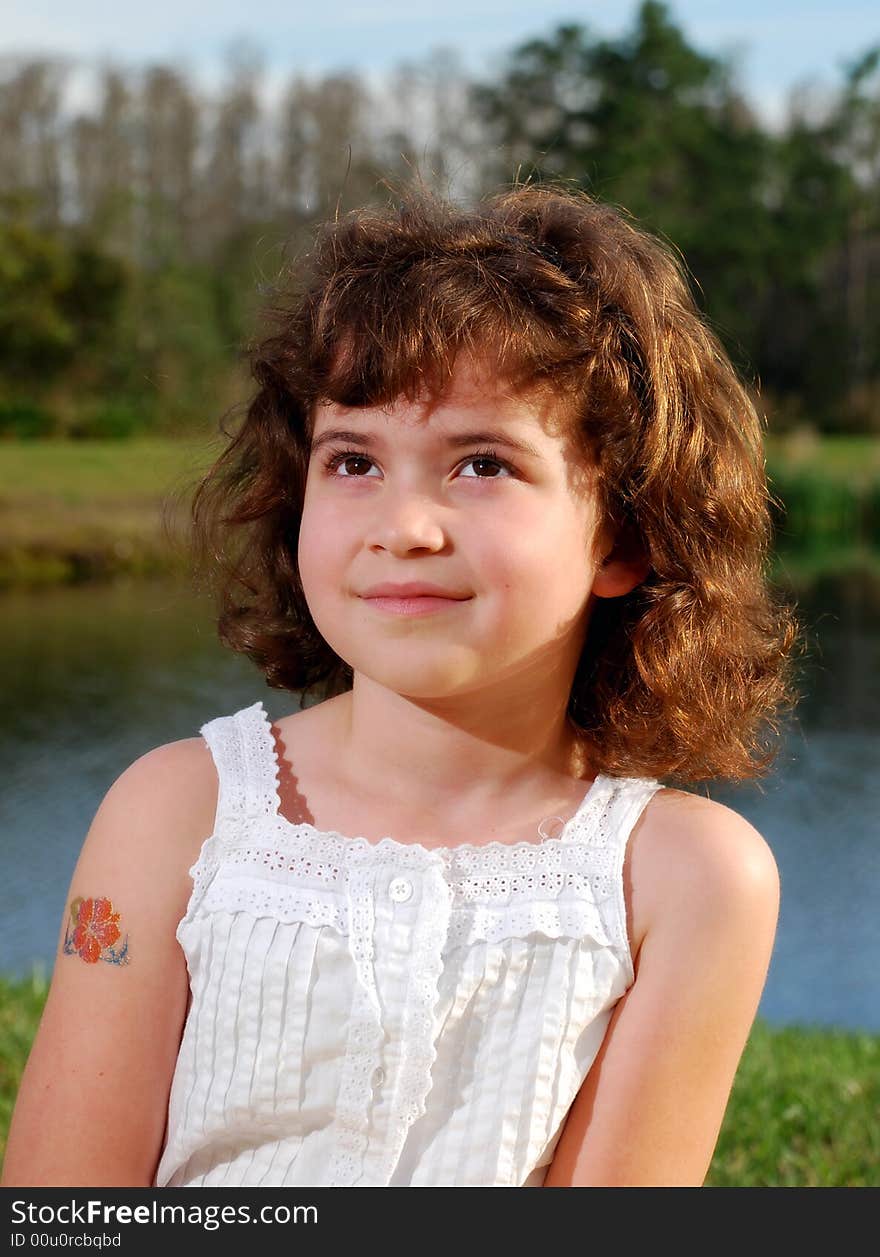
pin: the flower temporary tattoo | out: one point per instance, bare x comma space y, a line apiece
92, 930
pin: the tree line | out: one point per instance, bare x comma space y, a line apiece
137, 233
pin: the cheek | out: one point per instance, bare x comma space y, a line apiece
545, 556
318, 549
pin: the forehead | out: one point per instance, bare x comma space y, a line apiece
474, 391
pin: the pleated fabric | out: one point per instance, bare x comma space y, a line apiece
384, 1013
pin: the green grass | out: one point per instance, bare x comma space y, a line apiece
21, 1006
802, 1113
797, 570
80, 473
77, 510
855, 459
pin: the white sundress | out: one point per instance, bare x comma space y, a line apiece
385, 1014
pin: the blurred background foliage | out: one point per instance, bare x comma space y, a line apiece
137, 234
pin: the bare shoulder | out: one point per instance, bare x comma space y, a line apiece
179, 777
696, 859
154, 818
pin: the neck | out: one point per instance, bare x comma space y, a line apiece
455, 753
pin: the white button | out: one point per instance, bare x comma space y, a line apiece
379, 1076
400, 889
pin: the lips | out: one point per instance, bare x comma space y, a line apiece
412, 589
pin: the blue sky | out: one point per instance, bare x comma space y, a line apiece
777, 44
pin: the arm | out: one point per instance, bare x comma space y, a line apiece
651, 1107
92, 1103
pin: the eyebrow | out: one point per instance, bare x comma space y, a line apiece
488, 436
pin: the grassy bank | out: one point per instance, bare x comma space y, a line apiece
802, 1112
80, 510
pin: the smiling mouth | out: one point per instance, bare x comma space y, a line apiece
414, 604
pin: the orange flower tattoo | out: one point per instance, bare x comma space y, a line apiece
92, 930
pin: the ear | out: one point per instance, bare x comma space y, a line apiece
624, 566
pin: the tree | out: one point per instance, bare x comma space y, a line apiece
650, 123
31, 135
170, 125
854, 131
59, 299
104, 148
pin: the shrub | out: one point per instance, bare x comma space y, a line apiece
25, 421
108, 421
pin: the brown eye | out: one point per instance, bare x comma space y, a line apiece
490, 461
486, 462
345, 458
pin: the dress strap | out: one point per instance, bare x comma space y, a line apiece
628, 804
241, 746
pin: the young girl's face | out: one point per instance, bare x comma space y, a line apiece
409, 494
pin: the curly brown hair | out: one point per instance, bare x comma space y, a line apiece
683, 678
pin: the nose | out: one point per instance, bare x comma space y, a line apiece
406, 520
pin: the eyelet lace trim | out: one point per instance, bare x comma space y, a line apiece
259, 861
562, 898
418, 1036
366, 1035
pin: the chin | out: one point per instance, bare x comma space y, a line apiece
420, 680
422, 688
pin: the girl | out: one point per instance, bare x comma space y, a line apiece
444, 926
